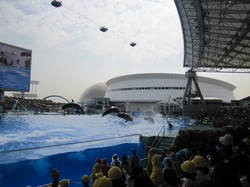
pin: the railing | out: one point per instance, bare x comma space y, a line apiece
71, 183
163, 130
65, 144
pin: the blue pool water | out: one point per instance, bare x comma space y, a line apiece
32, 145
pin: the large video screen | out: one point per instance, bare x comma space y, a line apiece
15, 68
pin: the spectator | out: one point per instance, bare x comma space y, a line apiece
98, 160
241, 164
149, 163
105, 167
202, 168
96, 172
168, 164
134, 173
246, 141
189, 173
125, 164
115, 174
225, 175
64, 183
176, 163
227, 146
85, 180
135, 160
54, 175
143, 180
115, 161
156, 176
103, 182
170, 179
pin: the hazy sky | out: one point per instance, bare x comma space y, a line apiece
70, 53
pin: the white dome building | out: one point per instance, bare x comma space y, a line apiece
141, 91
93, 93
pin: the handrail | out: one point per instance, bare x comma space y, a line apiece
72, 143
162, 128
70, 183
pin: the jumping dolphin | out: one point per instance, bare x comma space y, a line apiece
125, 116
73, 105
112, 109
118, 113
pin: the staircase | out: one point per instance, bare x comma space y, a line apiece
166, 142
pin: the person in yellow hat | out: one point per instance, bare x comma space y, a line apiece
103, 182
96, 172
189, 173
244, 146
85, 180
115, 174
64, 183
156, 175
149, 163
201, 164
246, 141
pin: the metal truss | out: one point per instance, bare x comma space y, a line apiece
216, 34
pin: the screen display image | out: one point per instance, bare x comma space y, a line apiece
15, 68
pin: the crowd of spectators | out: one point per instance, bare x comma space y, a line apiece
225, 162
36, 105
227, 116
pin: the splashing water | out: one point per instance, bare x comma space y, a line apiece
72, 131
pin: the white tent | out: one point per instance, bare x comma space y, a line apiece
166, 102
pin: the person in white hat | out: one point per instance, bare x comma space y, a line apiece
227, 142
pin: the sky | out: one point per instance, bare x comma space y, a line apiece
70, 53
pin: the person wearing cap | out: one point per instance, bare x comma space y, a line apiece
227, 142
149, 163
103, 182
96, 172
201, 164
189, 173
85, 180
156, 175
246, 142
115, 174
227, 139
167, 164
64, 183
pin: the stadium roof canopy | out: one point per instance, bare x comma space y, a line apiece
216, 34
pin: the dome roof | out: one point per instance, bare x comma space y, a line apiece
96, 90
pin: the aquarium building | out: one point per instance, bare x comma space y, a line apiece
139, 92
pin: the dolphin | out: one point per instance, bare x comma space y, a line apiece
73, 105
112, 109
125, 116
118, 113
